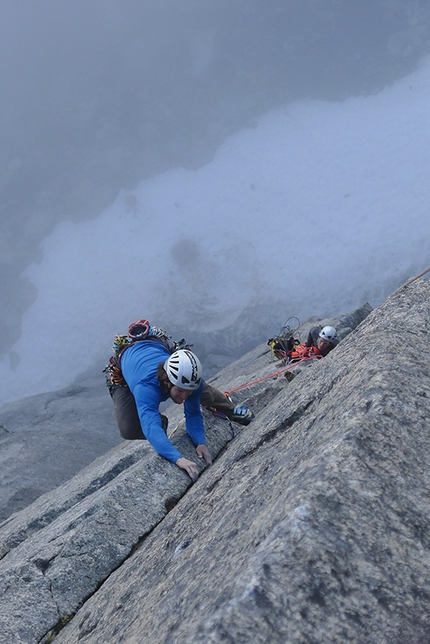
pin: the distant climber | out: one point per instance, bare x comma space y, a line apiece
318, 344
149, 369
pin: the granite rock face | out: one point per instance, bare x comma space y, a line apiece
311, 526
58, 550
48, 438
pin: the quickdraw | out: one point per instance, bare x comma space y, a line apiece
136, 331
112, 371
113, 374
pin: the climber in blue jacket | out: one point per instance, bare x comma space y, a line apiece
152, 374
148, 368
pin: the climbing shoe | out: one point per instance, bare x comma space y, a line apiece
242, 415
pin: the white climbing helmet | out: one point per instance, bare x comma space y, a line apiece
184, 370
328, 333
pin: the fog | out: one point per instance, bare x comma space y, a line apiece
205, 165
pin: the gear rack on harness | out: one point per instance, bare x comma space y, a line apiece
285, 343
137, 332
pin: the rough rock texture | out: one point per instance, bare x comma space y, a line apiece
58, 551
311, 526
47, 439
314, 524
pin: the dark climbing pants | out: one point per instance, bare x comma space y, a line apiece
127, 418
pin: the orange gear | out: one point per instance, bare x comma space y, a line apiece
303, 351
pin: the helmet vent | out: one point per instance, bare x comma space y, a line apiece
184, 369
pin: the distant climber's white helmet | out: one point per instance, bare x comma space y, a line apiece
184, 370
328, 333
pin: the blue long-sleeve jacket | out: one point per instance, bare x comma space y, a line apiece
139, 365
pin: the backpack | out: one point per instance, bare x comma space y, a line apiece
283, 345
137, 332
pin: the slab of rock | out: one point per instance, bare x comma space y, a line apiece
312, 526
57, 552
46, 439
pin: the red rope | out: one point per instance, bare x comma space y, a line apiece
272, 375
